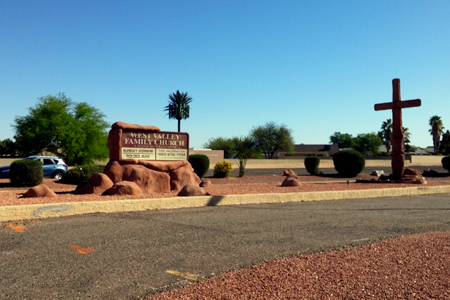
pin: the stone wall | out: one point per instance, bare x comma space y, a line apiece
426, 160
7, 161
417, 160
213, 155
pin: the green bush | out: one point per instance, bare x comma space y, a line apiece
349, 163
200, 163
26, 172
258, 154
81, 174
312, 164
446, 162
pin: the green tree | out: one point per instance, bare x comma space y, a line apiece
367, 143
244, 147
406, 135
74, 131
444, 147
221, 144
437, 128
178, 107
8, 148
406, 140
343, 140
87, 126
271, 138
386, 134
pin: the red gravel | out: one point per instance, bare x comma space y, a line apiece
411, 267
221, 186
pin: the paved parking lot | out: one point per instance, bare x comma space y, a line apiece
130, 255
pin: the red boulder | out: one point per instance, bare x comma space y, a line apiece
183, 176
97, 184
149, 181
192, 190
291, 180
125, 188
39, 191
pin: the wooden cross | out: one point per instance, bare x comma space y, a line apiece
398, 147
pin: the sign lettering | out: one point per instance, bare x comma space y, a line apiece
143, 145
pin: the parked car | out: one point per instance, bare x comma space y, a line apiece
53, 167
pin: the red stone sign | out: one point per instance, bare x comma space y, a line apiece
132, 141
398, 147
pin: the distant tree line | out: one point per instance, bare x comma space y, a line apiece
366, 143
8, 148
77, 132
369, 143
263, 141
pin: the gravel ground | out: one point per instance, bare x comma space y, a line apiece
266, 184
411, 267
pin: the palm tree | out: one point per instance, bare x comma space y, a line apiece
406, 135
178, 107
436, 130
406, 140
386, 133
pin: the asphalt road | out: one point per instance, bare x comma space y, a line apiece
131, 255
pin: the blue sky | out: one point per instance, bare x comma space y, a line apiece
315, 66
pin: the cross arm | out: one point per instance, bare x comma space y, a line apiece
398, 104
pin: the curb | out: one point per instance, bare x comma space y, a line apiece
42, 211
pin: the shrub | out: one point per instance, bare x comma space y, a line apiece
446, 162
200, 163
349, 163
312, 164
258, 154
26, 172
222, 169
81, 174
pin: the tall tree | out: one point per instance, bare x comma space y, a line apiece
220, 143
178, 107
367, 143
406, 135
87, 125
386, 134
74, 131
271, 138
244, 147
436, 130
406, 140
343, 140
8, 148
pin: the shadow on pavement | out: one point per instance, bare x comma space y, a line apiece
214, 200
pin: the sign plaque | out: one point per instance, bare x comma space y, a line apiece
161, 145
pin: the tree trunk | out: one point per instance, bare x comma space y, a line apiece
436, 144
